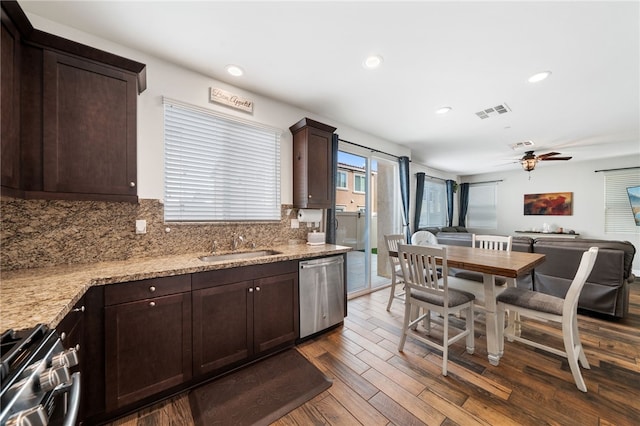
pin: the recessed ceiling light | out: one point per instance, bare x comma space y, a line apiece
373, 61
443, 110
234, 70
539, 76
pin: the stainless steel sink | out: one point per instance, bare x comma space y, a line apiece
238, 256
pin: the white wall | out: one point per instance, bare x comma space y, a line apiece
172, 81
166, 79
572, 176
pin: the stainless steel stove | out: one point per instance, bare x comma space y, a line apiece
36, 386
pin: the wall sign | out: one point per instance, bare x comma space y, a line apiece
229, 99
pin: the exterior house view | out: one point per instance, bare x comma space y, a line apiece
374, 213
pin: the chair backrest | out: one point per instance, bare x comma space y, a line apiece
423, 238
420, 269
570, 305
392, 241
492, 242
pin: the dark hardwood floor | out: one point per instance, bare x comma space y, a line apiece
374, 384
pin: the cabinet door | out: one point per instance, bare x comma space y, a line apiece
148, 347
319, 169
275, 317
10, 101
222, 326
89, 127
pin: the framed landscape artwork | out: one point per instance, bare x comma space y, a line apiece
634, 199
549, 204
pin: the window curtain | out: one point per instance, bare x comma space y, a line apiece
331, 213
449, 185
464, 204
403, 163
419, 197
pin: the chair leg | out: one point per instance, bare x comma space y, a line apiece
445, 345
573, 348
581, 355
405, 325
426, 323
392, 294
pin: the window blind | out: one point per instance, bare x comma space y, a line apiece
434, 203
618, 217
218, 168
482, 209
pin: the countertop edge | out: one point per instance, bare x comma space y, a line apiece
46, 295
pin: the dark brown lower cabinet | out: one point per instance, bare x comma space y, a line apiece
239, 315
148, 347
167, 334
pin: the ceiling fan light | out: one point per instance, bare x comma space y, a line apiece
529, 164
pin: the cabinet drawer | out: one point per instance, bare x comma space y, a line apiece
145, 289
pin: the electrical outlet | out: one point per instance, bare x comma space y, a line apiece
295, 224
141, 226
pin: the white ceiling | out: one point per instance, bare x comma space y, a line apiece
467, 55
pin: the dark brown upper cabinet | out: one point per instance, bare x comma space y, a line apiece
312, 169
89, 127
68, 118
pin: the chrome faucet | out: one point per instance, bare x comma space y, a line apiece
236, 241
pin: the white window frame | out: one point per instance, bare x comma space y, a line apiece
219, 168
434, 203
364, 183
618, 217
346, 180
482, 210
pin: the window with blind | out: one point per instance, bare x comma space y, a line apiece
434, 203
218, 168
482, 211
618, 217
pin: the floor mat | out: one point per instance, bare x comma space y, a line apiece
259, 393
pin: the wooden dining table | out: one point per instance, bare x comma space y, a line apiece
491, 263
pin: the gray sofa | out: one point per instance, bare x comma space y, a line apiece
607, 288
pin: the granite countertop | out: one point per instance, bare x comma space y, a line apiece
45, 295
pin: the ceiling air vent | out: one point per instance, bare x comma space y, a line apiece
519, 145
491, 112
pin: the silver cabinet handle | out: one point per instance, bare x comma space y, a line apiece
309, 195
80, 309
152, 289
63, 335
251, 290
257, 288
152, 304
132, 184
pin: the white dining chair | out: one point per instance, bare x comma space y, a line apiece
489, 242
492, 242
423, 238
392, 242
550, 308
431, 292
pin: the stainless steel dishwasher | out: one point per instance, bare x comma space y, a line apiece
321, 294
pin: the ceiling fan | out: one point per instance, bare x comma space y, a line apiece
529, 160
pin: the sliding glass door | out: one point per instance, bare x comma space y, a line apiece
366, 209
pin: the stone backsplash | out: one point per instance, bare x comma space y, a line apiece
39, 233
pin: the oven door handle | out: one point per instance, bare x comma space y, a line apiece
74, 401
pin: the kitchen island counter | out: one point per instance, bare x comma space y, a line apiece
45, 295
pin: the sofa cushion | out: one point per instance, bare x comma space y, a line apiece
582, 245
606, 289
